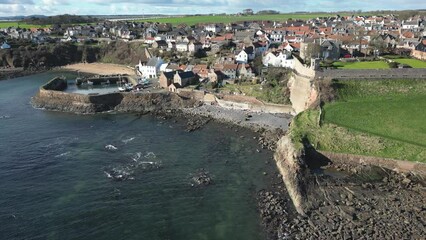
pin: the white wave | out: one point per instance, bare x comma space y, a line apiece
111, 147
108, 174
148, 163
119, 174
150, 155
62, 154
136, 156
5, 117
125, 141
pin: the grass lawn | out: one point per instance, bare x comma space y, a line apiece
414, 63
378, 118
21, 25
362, 65
192, 20
271, 95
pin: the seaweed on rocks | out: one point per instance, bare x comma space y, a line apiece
201, 178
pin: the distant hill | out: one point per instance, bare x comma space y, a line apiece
60, 19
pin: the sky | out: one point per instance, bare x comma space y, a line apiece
140, 7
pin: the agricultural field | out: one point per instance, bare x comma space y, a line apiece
362, 65
21, 25
377, 118
192, 20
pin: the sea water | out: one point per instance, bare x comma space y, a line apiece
57, 174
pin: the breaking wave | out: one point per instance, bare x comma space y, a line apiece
135, 165
125, 141
111, 147
62, 154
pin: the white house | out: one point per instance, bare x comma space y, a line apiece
245, 55
276, 36
151, 69
278, 59
212, 28
242, 57
163, 67
410, 24
194, 46
182, 46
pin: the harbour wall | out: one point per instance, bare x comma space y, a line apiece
52, 97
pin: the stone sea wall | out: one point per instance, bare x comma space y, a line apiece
51, 97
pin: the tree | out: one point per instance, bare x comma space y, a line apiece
377, 45
248, 11
405, 15
359, 36
311, 50
200, 54
257, 64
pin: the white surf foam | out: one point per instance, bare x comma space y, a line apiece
111, 147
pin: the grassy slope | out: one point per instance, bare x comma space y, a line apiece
362, 65
377, 118
191, 20
271, 95
414, 63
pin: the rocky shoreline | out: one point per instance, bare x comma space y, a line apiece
365, 203
345, 201
369, 203
6, 75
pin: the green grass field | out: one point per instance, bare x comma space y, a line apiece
414, 63
192, 20
377, 118
21, 25
362, 65
271, 95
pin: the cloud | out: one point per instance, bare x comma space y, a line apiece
12, 9
15, 2
54, 2
50, 7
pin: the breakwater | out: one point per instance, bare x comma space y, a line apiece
100, 79
52, 97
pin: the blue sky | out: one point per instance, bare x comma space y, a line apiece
93, 7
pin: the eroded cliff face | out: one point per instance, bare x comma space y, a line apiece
303, 92
293, 169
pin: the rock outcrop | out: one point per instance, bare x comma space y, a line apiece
293, 169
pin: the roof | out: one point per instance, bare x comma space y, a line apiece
184, 75
152, 62
5, 46
249, 50
161, 43
169, 75
229, 67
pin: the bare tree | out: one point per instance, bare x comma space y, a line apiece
377, 45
